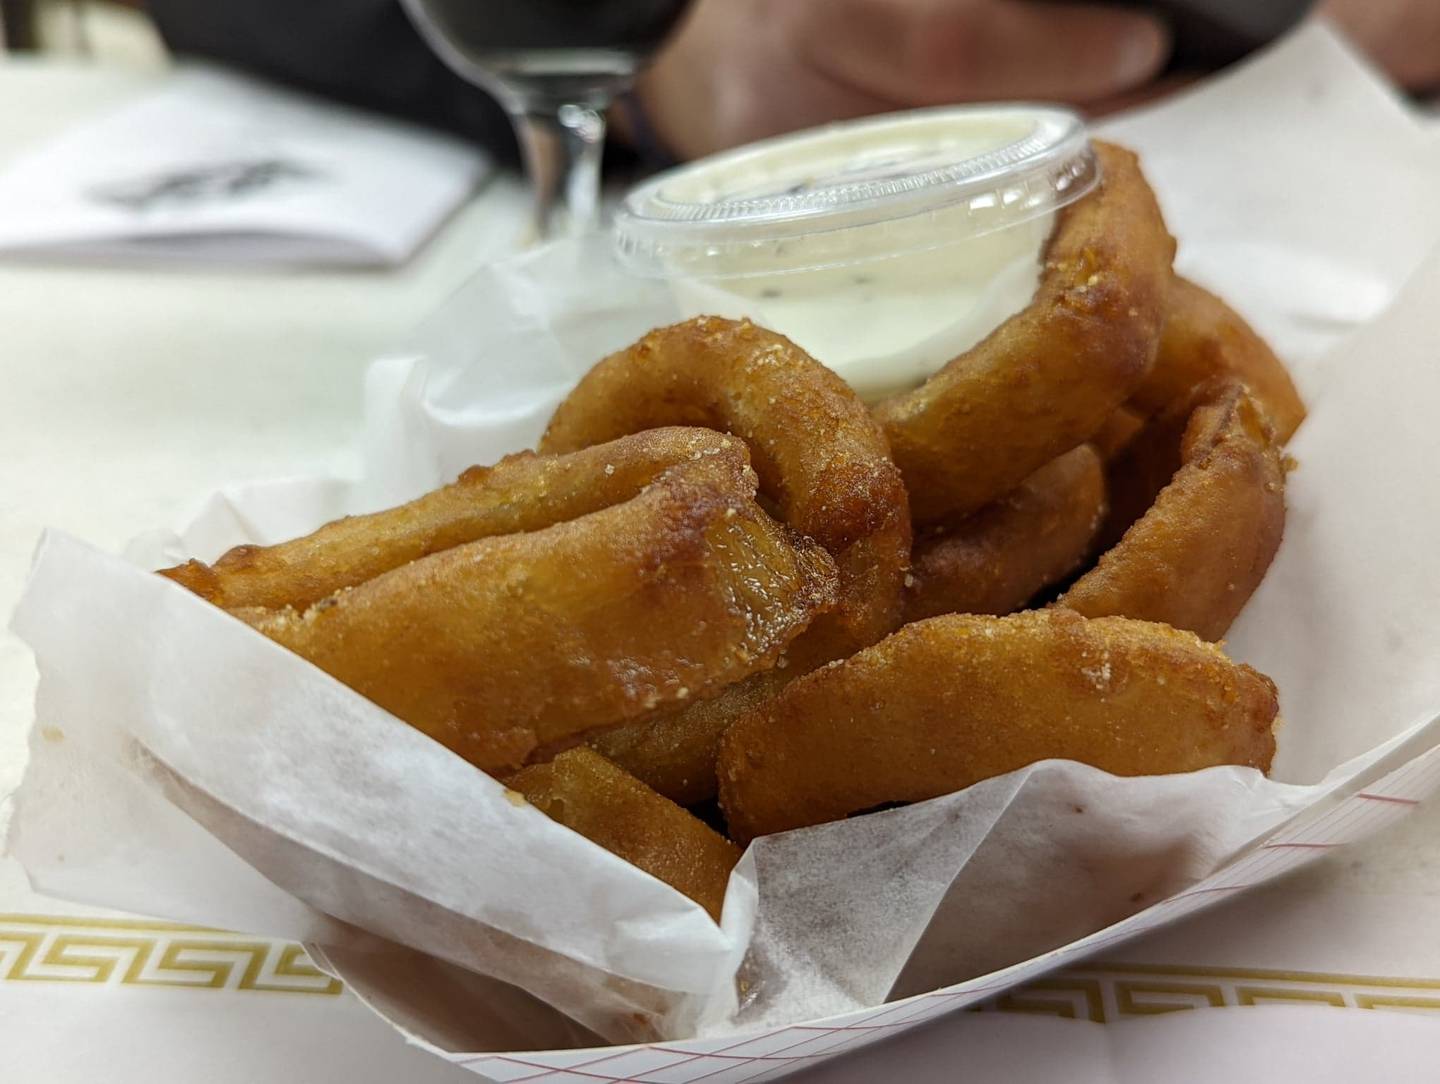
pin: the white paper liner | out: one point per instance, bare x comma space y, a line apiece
183, 765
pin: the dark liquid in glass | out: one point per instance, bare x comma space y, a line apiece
582, 44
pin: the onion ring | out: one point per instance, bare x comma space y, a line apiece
945, 703
1001, 557
1048, 377
1205, 338
1120, 428
585, 792
1195, 556
822, 461
522, 492
499, 650
821, 458
674, 752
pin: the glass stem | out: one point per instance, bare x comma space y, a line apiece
562, 148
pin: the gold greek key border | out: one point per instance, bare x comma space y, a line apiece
145, 953
1113, 990
141, 953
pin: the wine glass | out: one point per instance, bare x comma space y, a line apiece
555, 65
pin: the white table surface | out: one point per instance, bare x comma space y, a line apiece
126, 394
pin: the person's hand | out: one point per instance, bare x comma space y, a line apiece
1401, 36
739, 70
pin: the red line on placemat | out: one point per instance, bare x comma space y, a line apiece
823, 1054
831, 1051
765, 1075
551, 1071
729, 1057
1351, 819
971, 991
861, 1026
1387, 798
1265, 863
547, 1070
1217, 888
1345, 816
859, 1030
727, 1068
1293, 843
1422, 767
688, 1057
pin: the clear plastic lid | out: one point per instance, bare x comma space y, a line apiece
857, 191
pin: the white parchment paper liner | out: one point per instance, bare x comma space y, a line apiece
184, 766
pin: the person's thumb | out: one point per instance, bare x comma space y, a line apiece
1076, 52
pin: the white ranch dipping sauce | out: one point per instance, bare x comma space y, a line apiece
884, 247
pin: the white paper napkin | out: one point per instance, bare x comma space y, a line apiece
217, 168
1300, 184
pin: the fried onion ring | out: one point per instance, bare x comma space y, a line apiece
522, 492
947, 702
1120, 428
1205, 338
822, 461
512, 647
674, 752
1001, 557
1048, 377
821, 458
585, 792
1195, 556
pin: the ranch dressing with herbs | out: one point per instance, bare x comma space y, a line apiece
884, 247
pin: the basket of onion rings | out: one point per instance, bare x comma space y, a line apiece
693, 694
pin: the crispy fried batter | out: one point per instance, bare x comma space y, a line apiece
1048, 377
512, 647
822, 462
522, 492
1001, 557
947, 702
674, 752
585, 792
1112, 438
821, 459
1193, 558
1205, 338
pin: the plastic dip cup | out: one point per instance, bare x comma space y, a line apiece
883, 246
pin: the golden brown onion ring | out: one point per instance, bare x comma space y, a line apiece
512, 647
585, 792
998, 559
821, 458
674, 752
822, 461
1194, 557
522, 492
1120, 428
1205, 338
1048, 377
947, 702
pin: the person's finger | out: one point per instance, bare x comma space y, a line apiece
1149, 94
928, 52
717, 85
1401, 36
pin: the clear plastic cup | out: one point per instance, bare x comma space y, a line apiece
883, 246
